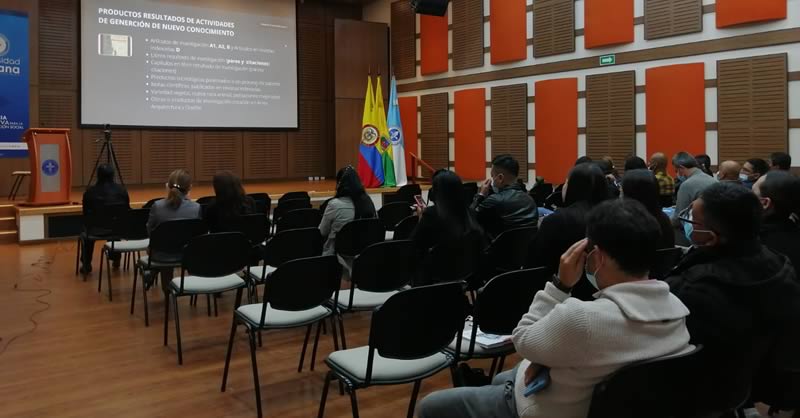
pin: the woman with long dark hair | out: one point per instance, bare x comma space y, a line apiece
350, 202
704, 161
642, 185
229, 203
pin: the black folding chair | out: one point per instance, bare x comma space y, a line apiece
406, 341
454, 261
357, 235
206, 200
666, 259
213, 263
541, 192
498, 307
287, 206
256, 228
100, 224
371, 283
133, 239
654, 388
293, 196
296, 295
165, 252
406, 193
151, 202
299, 218
508, 252
263, 202
404, 228
285, 246
393, 213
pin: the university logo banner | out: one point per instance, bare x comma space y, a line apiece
14, 83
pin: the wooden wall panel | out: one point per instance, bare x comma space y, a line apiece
676, 101
408, 117
311, 62
404, 43
305, 149
164, 151
608, 22
510, 123
435, 131
217, 151
611, 116
664, 18
553, 27
470, 133
265, 155
58, 48
59, 109
752, 103
508, 31
127, 147
433, 41
737, 12
556, 128
467, 34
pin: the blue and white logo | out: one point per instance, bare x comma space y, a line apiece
5, 46
394, 136
50, 167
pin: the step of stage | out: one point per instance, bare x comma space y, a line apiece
8, 224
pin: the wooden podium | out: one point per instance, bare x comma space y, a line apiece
51, 166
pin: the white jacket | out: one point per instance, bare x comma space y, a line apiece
584, 342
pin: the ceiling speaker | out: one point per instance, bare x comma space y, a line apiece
430, 7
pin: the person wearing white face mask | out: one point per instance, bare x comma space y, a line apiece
743, 297
582, 343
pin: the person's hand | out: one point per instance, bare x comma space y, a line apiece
531, 372
486, 187
418, 211
570, 269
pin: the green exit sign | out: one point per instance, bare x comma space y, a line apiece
608, 59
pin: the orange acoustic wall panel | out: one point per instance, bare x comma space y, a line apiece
470, 133
676, 110
508, 35
737, 12
433, 44
607, 22
556, 128
408, 117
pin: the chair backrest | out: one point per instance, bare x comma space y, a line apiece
206, 200
263, 202
385, 266
168, 238
404, 228
293, 244
654, 388
106, 220
391, 214
302, 284
293, 196
255, 227
357, 235
554, 200
541, 192
299, 218
666, 259
509, 251
406, 193
136, 224
289, 205
454, 260
417, 322
470, 190
151, 202
503, 301
216, 255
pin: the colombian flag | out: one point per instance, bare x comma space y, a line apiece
384, 145
370, 164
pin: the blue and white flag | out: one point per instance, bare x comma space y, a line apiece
396, 137
14, 83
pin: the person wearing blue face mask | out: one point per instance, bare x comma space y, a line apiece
693, 182
752, 170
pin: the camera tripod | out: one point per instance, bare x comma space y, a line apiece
111, 156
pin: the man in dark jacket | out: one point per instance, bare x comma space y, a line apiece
96, 198
778, 192
502, 202
741, 295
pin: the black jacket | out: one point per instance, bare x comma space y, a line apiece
744, 310
219, 219
97, 197
783, 236
509, 208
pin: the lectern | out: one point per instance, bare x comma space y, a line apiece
51, 166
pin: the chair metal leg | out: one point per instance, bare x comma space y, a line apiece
12, 193
100, 276
144, 301
166, 318
341, 331
108, 273
335, 334
133, 289
78, 257
208, 304
178, 329
413, 403
354, 402
500, 365
228, 355
305, 346
494, 368
252, 339
316, 342
324, 399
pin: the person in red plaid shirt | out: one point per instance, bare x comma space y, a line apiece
666, 185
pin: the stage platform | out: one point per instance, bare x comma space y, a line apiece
41, 223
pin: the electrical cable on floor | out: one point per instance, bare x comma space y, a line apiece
43, 264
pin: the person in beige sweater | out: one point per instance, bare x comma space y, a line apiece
581, 343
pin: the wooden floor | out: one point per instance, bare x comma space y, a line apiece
83, 356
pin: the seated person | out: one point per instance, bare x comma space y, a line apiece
666, 184
634, 163
502, 202
752, 170
779, 192
350, 202
729, 172
229, 203
704, 162
633, 319
780, 161
693, 181
105, 192
612, 179
641, 185
743, 297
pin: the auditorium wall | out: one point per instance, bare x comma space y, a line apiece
621, 77
147, 156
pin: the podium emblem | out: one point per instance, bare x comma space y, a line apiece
50, 167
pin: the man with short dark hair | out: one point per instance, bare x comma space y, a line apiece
581, 343
105, 193
779, 192
693, 182
742, 296
502, 202
752, 170
780, 161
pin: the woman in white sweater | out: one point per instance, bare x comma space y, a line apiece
632, 319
